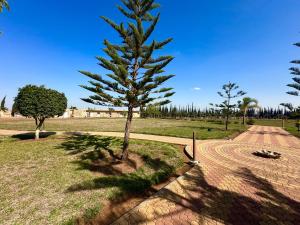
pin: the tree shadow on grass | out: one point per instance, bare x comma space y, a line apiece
79, 143
95, 153
136, 182
31, 135
92, 151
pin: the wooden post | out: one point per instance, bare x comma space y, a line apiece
194, 147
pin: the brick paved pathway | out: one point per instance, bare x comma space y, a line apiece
231, 185
269, 135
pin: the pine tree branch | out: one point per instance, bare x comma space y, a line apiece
295, 70
294, 93
136, 76
151, 28
295, 86
295, 61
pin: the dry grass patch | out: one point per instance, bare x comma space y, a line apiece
211, 129
54, 180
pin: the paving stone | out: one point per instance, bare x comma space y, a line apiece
232, 186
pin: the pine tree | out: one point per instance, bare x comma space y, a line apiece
230, 92
136, 76
295, 71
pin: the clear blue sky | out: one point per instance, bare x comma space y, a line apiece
243, 41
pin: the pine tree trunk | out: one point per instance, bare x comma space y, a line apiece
127, 134
226, 122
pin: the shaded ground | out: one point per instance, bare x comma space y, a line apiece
230, 186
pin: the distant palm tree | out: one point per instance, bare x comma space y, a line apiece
3, 4
246, 104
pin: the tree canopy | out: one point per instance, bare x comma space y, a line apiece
40, 103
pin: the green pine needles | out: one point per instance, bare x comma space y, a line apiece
229, 92
295, 71
135, 76
3, 4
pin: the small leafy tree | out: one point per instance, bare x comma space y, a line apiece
295, 71
136, 74
246, 104
40, 103
229, 92
2, 105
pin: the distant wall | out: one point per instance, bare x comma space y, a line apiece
82, 113
6, 114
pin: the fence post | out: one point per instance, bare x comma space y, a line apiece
193, 160
194, 149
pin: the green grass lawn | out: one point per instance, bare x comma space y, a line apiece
168, 127
57, 179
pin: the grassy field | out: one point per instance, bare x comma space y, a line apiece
168, 127
57, 179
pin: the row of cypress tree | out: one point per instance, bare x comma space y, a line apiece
191, 111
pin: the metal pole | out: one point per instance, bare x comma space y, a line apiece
194, 147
